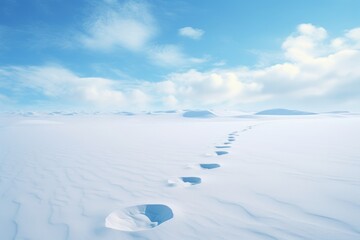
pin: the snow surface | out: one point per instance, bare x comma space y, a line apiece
118, 177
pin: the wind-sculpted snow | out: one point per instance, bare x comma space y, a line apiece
113, 176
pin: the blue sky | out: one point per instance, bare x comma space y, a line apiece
147, 55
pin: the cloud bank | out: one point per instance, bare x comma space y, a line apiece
316, 68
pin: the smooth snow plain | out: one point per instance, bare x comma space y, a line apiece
166, 176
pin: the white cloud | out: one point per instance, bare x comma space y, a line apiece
170, 101
220, 63
354, 34
140, 99
129, 25
101, 92
353, 37
305, 44
190, 32
171, 56
321, 66
167, 55
204, 89
3, 98
316, 69
58, 84
186, 89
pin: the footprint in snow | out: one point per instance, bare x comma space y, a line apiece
219, 153
139, 217
209, 165
248, 128
222, 146
191, 180
184, 181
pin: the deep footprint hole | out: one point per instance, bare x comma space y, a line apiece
223, 147
219, 153
191, 180
139, 218
209, 165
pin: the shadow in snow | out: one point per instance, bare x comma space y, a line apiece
219, 153
209, 165
191, 180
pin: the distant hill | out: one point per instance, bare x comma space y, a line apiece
125, 113
280, 111
199, 114
167, 111
338, 112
